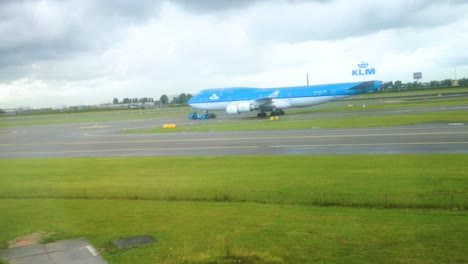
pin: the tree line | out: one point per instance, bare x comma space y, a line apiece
182, 99
133, 100
399, 85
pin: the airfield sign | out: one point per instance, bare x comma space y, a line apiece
417, 75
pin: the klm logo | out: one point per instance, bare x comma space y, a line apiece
363, 70
214, 97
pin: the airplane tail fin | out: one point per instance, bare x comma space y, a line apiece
369, 85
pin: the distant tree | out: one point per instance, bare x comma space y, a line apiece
412, 85
463, 82
398, 85
386, 86
2, 111
405, 85
126, 101
164, 99
182, 98
175, 100
144, 100
416, 84
115, 101
447, 83
189, 96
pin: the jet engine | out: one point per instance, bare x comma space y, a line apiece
237, 108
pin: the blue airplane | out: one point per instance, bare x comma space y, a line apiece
236, 100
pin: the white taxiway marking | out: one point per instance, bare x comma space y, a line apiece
456, 124
92, 127
247, 138
121, 150
367, 144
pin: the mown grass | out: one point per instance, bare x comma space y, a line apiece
372, 101
356, 104
253, 209
98, 116
209, 232
406, 181
360, 119
417, 92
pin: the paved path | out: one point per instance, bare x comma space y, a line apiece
73, 251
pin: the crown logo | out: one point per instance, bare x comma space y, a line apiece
363, 65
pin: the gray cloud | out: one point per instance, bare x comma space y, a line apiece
210, 6
56, 30
146, 48
343, 19
213, 5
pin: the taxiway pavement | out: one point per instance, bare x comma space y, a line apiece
103, 139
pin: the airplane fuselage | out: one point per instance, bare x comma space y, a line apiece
237, 100
278, 103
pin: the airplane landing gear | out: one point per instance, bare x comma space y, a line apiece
210, 115
277, 112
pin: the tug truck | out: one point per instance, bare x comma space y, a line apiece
205, 115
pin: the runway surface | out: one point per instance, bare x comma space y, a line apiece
103, 139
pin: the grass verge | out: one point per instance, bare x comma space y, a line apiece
190, 232
98, 116
372, 101
252, 209
400, 181
360, 119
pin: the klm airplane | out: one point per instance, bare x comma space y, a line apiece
238, 100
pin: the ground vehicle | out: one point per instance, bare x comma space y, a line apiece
204, 115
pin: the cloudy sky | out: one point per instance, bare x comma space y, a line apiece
89, 51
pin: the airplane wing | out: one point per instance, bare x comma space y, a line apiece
266, 100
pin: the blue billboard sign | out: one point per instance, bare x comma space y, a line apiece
363, 70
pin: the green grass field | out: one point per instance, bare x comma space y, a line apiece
419, 92
406, 181
210, 232
249, 209
379, 103
359, 119
98, 116
256, 209
372, 101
